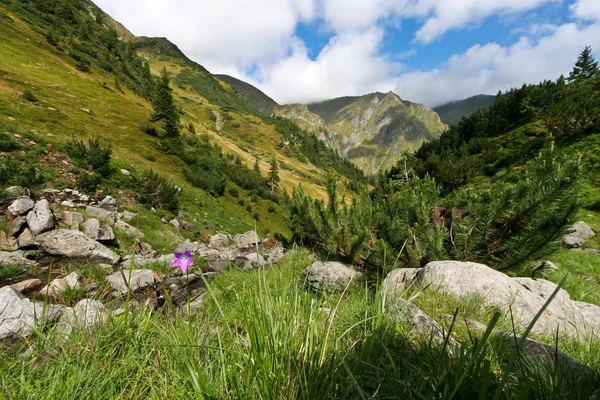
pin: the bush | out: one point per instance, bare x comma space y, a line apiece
249, 208
213, 182
156, 191
29, 96
13, 172
88, 182
256, 216
241, 202
150, 157
83, 65
94, 154
148, 129
234, 192
8, 144
272, 210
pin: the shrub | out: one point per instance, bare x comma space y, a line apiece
148, 129
29, 96
156, 191
94, 154
150, 157
241, 202
249, 208
8, 144
83, 65
13, 172
88, 182
234, 192
213, 182
272, 210
256, 216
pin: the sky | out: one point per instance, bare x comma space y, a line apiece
426, 51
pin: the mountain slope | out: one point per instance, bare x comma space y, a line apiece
255, 96
451, 113
374, 130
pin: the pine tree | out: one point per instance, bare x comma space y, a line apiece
274, 175
585, 67
164, 106
256, 166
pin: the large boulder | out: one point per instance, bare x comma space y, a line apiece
218, 241
76, 245
330, 275
398, 281
109, 204
21, 206
41, 219
102, 214
578, 234
19, 315
94, 230
525, 297
15, 258
130, 231
248, 240
140, 279
86, 314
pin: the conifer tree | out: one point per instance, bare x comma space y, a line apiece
274, 175
256, 166
585, 68
165, 109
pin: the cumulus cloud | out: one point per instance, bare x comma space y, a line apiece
588, 10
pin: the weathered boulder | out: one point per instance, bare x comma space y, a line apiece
130, 231
41, 219
7, 242
398, 281
102, 214
18, 315
140, 279
76, 245
578, 234
70, 217
525, 297
109, 204
248, 240
21, 206
94, 230
256, 259
17, 225
591, 315
15, 258
218, 241
26, 239
59, 285
27, 285
330, 276
86, 314
216, 264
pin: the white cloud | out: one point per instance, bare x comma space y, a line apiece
491, 67
587, 10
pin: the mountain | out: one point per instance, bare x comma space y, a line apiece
300, 114
373, 131
255, 96
451, 113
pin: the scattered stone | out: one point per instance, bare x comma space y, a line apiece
218, 241
126, 215
550, 265
242, 262
248, 240
41, 219
15, 258
69, 217
125, 172
83, 198
330, 276
108, 204
26, 239
76, 245
194, 305
18, 315
594, 252
572, 241
140, 279
26, 286
59, 285
86, 314
192, 247
102, 214
130, 231
218, 265
94, 230
68, 203
181, 280
21, 206
174, 222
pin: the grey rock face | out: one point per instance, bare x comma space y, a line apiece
76, 245
18, 315
102, 214
218, 241
109, 204
330, 276
69, 218
15, 258
94, 230
130, 231
140, 279
41, 219
21, 206
86, 314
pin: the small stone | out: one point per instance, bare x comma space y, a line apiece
14, 190
83, 198
101, 213
140, 279
86, 314
21, 206
127, 216
330, 276
550, 265
69, 217
218, 241
174, 222
256, 259
125, 172
68, 203
18, 225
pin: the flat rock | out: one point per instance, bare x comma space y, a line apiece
76, 245
130, 231
140, 279
330, 275
21, 206
59, 285
102, 214
41, 219
18, 315
85, 315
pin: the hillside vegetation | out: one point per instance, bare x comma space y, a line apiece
453, 112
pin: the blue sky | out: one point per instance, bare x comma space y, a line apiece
429, 51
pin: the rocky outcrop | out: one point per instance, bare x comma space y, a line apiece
76, 245
524, 296
330, 276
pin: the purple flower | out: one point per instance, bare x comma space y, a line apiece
183, 260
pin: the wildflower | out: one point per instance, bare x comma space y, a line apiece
183, 260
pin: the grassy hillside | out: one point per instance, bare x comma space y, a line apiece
256, 97
453, 112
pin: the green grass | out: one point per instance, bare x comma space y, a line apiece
262, 335
10, 271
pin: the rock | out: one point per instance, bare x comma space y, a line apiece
130, 231
83, 198
21, 206
70, 217
18, 225
192, 247
248, 240
174, 222
523, 295
102, 214
591, 315
403, 311
74, 280
140, 279
15, 258
19, 315
7, 242
94, 230
126, 215
398, 281
76, 245
218, 241
181, 280
86, 314
26, 286
145, 250
550, 265
59, 285
14, 190
216, 264
594, 252
256, 259
125, 172
41, 219
242, 262
330, 276
194, 305
578, 234
572, 241
108, 204
26, 239
68, 203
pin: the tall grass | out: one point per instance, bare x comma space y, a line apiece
262, 335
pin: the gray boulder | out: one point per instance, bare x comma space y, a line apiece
69, 218
86, 314
18, 315
41, 219
76, 245
102, 214
218, 241
21, 206
330, 276
248, 240
15, 258
578, 234
129, 230
26, 239
398, 281
94, 230
109, 204
140, 279
192, 247
256, 259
